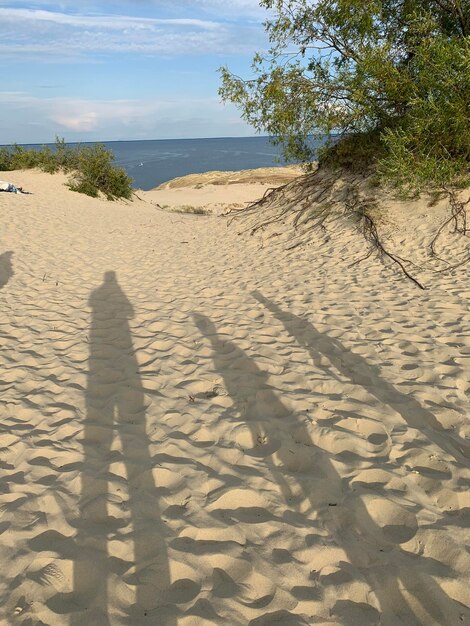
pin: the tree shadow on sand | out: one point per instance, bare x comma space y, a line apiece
403, 583
6, 268
116, 407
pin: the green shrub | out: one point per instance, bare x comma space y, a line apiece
92, 168
354, 152
22, 158
5, 160
431, 144
392, 77
96, 172
65, 157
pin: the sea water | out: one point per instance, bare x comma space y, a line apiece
152, 162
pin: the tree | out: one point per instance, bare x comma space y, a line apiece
391, 77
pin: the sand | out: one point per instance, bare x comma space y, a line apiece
219, 192
201, 427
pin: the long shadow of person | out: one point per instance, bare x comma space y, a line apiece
116, 407
257, 404
6, 268
394, 575
362, 373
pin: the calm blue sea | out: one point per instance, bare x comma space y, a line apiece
153, 162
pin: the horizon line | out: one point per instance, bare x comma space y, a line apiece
95, 141
41, 143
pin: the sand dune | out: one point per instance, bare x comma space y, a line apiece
220, 192
202, 427
273, 176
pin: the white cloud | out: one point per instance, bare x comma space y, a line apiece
78, 122
106, 22
39, 37
87, 119
223, 8
27, 32
226, 8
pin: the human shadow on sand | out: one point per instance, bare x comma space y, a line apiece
6, 268
403, 583
361, 372
118, 503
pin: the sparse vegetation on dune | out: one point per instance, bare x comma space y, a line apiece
193, 210
390, 80
91, 168
185, 208
326, 199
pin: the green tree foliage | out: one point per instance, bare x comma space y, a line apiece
92, 168
392, 77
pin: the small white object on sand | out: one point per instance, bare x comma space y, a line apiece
6, 186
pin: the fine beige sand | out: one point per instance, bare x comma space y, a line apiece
208, 423
219, 192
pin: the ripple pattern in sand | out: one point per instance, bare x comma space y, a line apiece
206, 433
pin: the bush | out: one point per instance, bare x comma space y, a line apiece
391, 77
95, 172
431, 144
354, 152
65, 157
92, 168
17, 157
5, 160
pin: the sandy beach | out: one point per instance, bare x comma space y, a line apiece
206, 427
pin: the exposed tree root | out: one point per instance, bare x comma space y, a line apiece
369, 229
372, 235
315, 201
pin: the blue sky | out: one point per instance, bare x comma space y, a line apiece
109, 70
